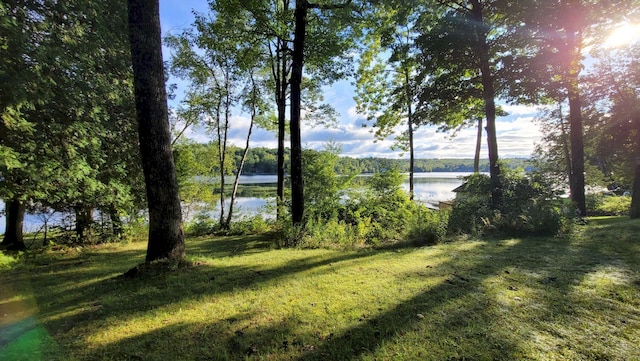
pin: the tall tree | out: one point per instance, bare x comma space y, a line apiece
386, 88
65, 128
166, 238
222, 62
459, 45
558, 34
613, 89
297, 63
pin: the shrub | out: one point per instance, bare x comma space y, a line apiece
333, 233
427, 227
201, 225
614, 205
250, 225
529, 207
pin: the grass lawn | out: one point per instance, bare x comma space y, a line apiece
566, 298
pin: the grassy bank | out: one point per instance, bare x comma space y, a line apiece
576, 297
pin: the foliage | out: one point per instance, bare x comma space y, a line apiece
608, 205
385, 84
427, 227
250, 225
68, 131
197, 170
334, 233
380, 213
263, 161
6, 261
201, 224
324, 189
529, 207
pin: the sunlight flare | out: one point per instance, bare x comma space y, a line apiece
624, 34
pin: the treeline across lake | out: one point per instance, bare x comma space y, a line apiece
263, 161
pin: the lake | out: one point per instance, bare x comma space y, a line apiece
429, 187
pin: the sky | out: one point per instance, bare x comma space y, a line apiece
517, 133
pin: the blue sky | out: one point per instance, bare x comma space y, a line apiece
517, 133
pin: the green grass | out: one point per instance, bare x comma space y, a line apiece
570, 298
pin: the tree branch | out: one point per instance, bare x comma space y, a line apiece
328, 6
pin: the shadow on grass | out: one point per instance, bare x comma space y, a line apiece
216, 247
460, 317
553, 267
82, 292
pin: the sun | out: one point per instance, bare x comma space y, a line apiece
623, 34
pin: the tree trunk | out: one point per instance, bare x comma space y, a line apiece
297, 62
576, 177
13, 238
409, 97
565, 147
221, 161
116, 222
281, 101
634, 212
166, 238
476, 157
488, 94
280, 72
236, 181
84, 220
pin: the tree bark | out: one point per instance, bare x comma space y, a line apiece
13, 238
281, 101
576, 177
488, 94
84, 220
166, 238
297, 62
116, 222
254, 114
409, 97
566, 151
476, 157
634, 212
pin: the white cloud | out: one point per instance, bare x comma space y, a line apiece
518, 109
516, 133
352, 113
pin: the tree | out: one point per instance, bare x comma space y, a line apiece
297, 64
224, 71
386, 88
65, 128
256, 107
613, 89
459, 58
166, 238
558, 33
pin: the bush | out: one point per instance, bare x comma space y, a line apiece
250, 225
614, 205
529, 207
201, 225
427, 227
379, 213
334, 233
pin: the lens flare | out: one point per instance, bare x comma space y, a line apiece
623, 35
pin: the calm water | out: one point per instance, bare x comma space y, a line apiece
429, 187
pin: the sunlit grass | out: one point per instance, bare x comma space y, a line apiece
576, 297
